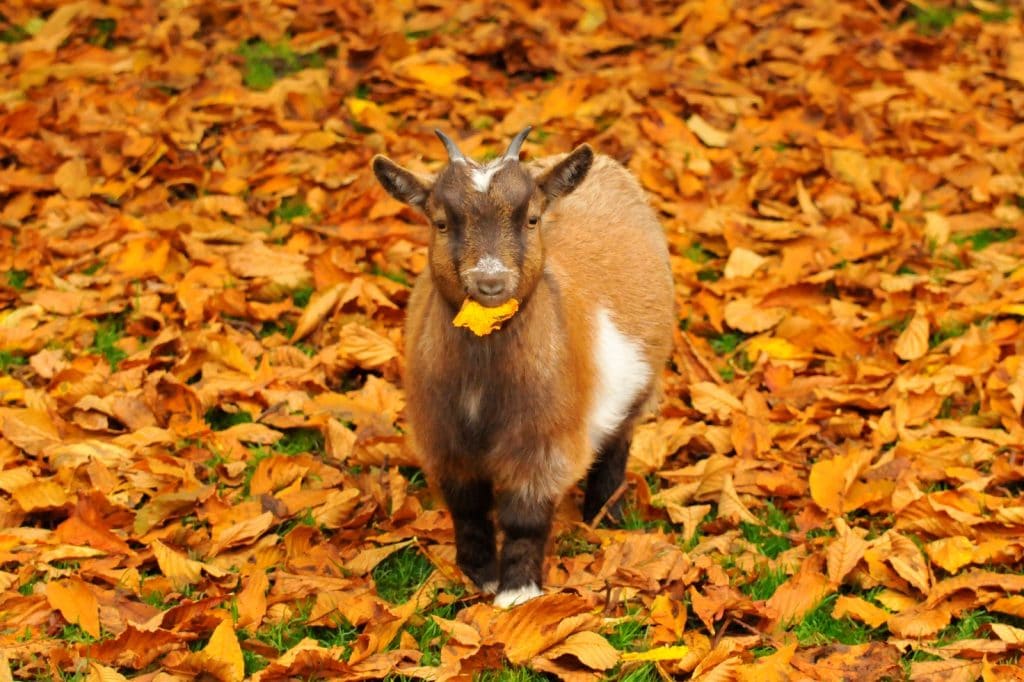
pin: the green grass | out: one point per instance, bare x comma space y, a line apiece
573, 544
109, 330
931, 20
74, 634
647, 672
628, 635
102, 33
266, 62
819, 627
698, 254
766, 583
767, 538
283, 636
301, 296
398, 277
983, 238
726, 343
967, 626
220, 419
709, 275
728, 373
8, 360
11, 33
510, 675
633, 519
16, 279
401, 574
947, 330
290, 209
297, 441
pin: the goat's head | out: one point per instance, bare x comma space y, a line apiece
485, 240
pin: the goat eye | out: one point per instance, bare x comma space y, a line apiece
533, 220
441, 225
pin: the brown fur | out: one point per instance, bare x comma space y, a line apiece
510, 409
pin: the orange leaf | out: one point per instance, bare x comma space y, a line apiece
712, 399
859, 609
77, 603
72, 179
913, 341
223, 647
483, 320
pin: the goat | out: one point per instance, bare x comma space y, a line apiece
510, 421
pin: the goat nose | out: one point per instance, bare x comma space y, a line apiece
490, 286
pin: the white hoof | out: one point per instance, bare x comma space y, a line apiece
489, 587
509, 598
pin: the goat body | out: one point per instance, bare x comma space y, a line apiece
512, 420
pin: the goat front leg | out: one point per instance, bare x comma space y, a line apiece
470, 503
526, 523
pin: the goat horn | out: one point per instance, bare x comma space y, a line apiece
453, 151
512, 153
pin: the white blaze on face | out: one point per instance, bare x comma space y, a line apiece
481, 176
622, 373
489, 265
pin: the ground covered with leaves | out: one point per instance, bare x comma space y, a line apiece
204, 468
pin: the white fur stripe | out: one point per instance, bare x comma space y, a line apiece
622, 373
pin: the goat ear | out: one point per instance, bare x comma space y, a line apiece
400, 183
567, 174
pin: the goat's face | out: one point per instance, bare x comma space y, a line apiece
485, 240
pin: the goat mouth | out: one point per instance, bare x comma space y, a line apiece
490, 301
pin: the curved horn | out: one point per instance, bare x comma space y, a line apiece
512, 153
453, 151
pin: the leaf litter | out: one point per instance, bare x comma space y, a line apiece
204, 468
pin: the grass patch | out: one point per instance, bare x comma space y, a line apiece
708, 275
301, 296
220, 419
12, 33
930, 20
726, 343
698, 254
266, 62
965, 627
16, 279
284, 635
297, 441
397, 277
633, 519
289, 209
647, 672
947, 330
9, 359
102, 33
573, 544
510, 675
401, 574
983, 238
109, 330
768, 538
283, 327
628, 635
819, 627
766, 583
74, 634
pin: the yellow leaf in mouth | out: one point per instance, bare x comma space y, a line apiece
481, 320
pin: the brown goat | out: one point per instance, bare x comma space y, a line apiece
512, 420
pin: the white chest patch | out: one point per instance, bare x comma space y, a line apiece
621, 372
481, 175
